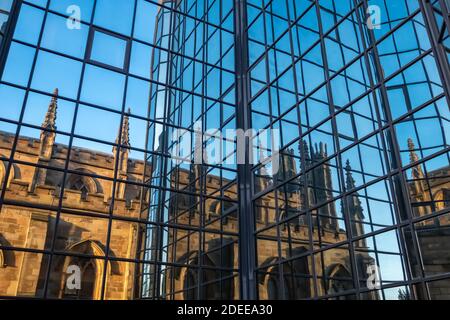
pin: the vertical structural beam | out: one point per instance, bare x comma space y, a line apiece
10, 26
243, 116
433, 31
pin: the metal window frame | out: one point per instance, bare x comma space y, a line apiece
395, 176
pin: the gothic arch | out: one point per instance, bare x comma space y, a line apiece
13, 174
186, 275
93, 246
441, 198
189, 279
92, 270
83, 183
340, 279
296, 278
274, 287
216, 206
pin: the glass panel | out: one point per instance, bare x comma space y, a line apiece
108, 49
123, 175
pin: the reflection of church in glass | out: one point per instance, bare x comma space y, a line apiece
82, 233
205, 273
293, 279
294, 239
430, 192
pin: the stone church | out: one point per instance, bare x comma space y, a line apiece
288, 280
430, 192
30, 220
24, 273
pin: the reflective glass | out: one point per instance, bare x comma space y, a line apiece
174, 150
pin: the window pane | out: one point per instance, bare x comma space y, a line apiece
115, 15
108, 49
62, 39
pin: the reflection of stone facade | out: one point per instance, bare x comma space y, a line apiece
212, 257
333, 267
430, 192
23, 274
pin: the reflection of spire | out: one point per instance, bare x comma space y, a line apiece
319, 152
125, 135
350, 182
306, 150
50, 117
47, 141
197, 171
321, 182
413, 157
417, 185
354, 204
321, 149
199, 152
354, 207
123, 154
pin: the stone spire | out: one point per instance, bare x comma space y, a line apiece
417, 186
413, 157
48, 135
354, 207
306, 150
197, 171
320, 178
123, 142
125, 134
349, 181
50, 117
46, 142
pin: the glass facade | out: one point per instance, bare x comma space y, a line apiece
5, 10
118, 182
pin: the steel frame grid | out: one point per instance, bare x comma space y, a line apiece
247, 266
365, 54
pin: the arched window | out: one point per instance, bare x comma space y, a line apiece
190, 285
277, 290
88, 275
79, 185
91, 271
291, 284
84, 184
220, 207
208, 288
340, 280
272, 288
446, 197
